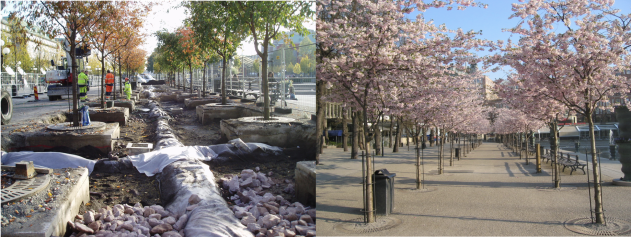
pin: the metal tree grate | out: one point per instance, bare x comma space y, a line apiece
614, 227
67, 126
357, 226
25, 188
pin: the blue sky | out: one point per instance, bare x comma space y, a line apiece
491, 20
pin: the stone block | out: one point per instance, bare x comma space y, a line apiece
138, 148
24, 170
305, 176
280, 131
175, 111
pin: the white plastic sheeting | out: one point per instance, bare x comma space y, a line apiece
148, 93
237, 147
181, 174
211, 216
151, 163
53, 160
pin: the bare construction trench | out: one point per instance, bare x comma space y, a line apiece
194, 182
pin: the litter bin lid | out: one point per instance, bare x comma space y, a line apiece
385, 172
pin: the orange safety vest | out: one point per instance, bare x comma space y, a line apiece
109, 82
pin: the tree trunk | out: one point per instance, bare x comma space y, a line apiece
223, 84
368, 175
439, 144
361, 130
554, 148
520, 145
319, 117
75, 78
431, 137
390, 132
355, 139
377, 137
120, 77
397, 136
423, 137
204, 81
407, 137
266, 99
598, 202
325, 126
345, 129
102, 83
451, 148
190, 73
527, 138
418, 166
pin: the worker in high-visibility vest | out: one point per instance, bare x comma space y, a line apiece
109, 83
127, 89
82, 82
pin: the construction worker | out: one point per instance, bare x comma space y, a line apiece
82, 82
127, 89
109, 84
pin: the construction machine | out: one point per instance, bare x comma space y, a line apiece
60, 78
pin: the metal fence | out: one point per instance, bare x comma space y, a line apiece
24, 84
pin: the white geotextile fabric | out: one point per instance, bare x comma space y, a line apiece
53, 160
211, 216
151, 163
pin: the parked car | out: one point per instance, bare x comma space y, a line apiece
139, 79
147, 77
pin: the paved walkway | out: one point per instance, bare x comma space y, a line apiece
489, 192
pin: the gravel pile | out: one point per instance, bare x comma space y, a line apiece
125, 220
30, 209
263, 213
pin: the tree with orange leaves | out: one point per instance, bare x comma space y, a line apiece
70, 19
120, 19
123, 43
134, 60
190, 51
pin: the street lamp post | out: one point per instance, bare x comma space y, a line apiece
16, 71
5, 51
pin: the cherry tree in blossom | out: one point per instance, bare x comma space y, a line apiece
371, 50
534, 106
575, 65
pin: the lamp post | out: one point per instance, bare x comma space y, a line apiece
5, 51
16, 71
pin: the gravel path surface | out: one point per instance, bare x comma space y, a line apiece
488, 192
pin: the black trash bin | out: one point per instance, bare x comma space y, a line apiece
457, 153
384, 191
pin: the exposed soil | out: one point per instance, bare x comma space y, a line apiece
108, 189
139, 128
191, 132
